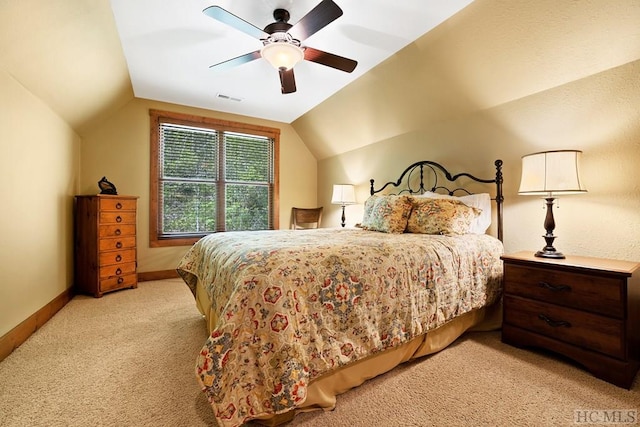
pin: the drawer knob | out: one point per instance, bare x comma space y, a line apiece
118, 245
554, 323
118, 272
120, 280
118, 258
554, 288
118, 218
118, 232
118, 205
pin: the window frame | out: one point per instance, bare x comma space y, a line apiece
156, 117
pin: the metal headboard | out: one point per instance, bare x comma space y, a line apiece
438, 170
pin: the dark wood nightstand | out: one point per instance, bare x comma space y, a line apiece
587, 309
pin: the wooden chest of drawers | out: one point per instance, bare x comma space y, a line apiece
105, 244
587, 309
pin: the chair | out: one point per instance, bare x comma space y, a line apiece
303, 218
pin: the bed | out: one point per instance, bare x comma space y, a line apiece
298, 317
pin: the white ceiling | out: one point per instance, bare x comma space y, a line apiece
169, 46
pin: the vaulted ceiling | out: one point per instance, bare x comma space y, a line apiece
170, 45
86, 59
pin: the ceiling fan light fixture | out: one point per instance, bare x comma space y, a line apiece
282, 54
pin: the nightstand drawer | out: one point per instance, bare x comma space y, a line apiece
577, 327
603, 295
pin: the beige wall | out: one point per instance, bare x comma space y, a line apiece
604, 222
39, 167
118, 148
503, 79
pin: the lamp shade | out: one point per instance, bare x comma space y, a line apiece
343, 194
551, 172
282, 55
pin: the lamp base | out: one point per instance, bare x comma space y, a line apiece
549, 224
550, 254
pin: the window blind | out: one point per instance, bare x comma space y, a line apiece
213, 180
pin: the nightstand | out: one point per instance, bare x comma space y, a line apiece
587, 309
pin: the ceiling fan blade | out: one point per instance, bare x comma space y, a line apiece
239, 60
320, 16
224, 16
287, 81
329, 59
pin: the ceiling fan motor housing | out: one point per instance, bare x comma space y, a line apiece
281, 25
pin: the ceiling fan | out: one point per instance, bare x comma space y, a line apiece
281, 41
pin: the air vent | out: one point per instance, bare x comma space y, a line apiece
227, 97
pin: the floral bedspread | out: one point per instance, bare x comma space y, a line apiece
293, 305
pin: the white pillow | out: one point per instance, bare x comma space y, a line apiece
482, 201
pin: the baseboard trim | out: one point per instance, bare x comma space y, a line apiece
15, 337
157, 275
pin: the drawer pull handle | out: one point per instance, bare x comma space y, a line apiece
554, 323
118, 232
118, 245
118, 272
118, 205
120, 280
118, 258
118, 218
554, 288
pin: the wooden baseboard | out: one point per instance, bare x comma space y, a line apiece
15, 337
157, 275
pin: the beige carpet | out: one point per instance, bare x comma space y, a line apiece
127, 359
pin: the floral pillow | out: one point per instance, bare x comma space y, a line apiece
388, 214
441, 216
481, 201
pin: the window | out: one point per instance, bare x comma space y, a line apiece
208, 176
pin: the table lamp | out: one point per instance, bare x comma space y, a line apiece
551, 173
343, 194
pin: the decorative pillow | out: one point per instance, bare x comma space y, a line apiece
388, 213
481, 201
441, 216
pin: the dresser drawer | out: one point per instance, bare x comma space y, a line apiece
108, 204
118, 217
603, 295
588, 330
112, 244
115, 257
110, 271
119, 282
117, 230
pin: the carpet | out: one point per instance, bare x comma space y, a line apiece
127, 359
